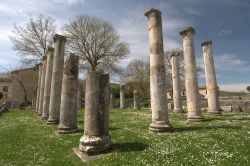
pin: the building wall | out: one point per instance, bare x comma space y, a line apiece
5, 89
29, 78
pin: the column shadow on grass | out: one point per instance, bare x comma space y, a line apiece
130, 146
195, 128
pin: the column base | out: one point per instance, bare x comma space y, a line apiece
195, 118
95, 145
44, 117
179, 111
39, 114
67, 130
160, 127
52, 121
214, 113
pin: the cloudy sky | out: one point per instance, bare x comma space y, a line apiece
225, 22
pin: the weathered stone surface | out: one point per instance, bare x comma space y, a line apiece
79, 96
68, 109
176, 83
112, 100
96, 138
88, 157
40, 111
38, 87
191, 82
227, 108
122, 97
47, 86
211, 82
237, 105
56, 81
136, 100
160, 119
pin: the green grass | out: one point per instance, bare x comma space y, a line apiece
27, 140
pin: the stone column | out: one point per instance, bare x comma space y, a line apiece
68, 110
112, 100
176, 83
40, 111
56, 81
38, 87
79, 96
192, 91
33, 105
47, 86
136, 100
96, 138
211, 83
122, 97
158, 95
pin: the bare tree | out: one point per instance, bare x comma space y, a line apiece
32, 40
137, 76
168, 65
96, 42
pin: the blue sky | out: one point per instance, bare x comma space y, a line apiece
225, 22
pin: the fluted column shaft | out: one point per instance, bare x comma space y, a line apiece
40, 111
176, 83
47, 86
211, 82
191, 81
56, 81
68, 109
122, 97
38, 87
158, 95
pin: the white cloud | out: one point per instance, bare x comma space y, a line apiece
224, 32
68, 2
234, 87
231, 62
193, 12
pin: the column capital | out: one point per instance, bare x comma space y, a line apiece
59, 37
39, 64
152, 11
175, 54
50, 49
205, 43
44, 57
187, 30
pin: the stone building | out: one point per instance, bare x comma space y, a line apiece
5, 89
24, 81
17, 84
202, 91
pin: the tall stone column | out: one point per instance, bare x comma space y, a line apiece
47, 86
79, 96
192, 91
38, 87
68, 110
136, 100
112, 100
176, 83
122, 97
96, 138
158, 95
211, 82
40, 111
56, 81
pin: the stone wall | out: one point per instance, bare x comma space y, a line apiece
29, 79
5, 89
228, 105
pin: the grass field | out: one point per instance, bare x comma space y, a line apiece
225, 140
